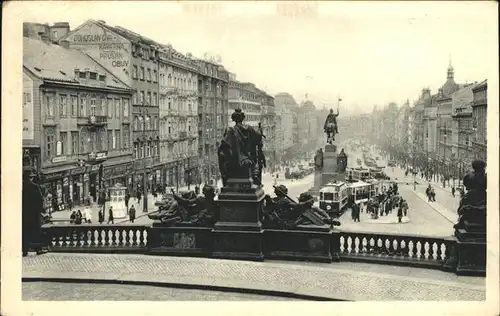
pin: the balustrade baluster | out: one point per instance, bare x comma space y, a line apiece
419, 249
113, 237
120, 237
106, 237
411, 248
433, 255
372, 248
349, 245
364, 248
426, 247
356, 245
443, 251
127, 237
342, 242
141, 237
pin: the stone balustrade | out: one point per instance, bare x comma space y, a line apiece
394, 249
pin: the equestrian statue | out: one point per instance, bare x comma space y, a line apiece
331, 127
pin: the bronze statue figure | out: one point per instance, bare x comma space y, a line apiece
342, 161
189, 209
318, 159
472, 206
282, 212
331, 127
240, 151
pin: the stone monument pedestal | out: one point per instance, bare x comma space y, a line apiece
181, 240
238, 234
471, 249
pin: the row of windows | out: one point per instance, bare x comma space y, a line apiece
146, 149
172, 103
74, 106
184, 147
74, 142
144, 74
146, 98
178, 81
172, 128
145, 122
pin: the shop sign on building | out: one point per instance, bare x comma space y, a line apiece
59, 159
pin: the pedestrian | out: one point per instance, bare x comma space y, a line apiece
355, 212
87, 214
400, 213
197, 190
72, 217
131, 213
433, 195
405, 208
101, 215
111, 218
453, 191
127, 198
139, 196
78, 217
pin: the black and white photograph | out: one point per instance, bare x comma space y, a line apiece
249, 151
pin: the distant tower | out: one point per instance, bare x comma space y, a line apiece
451, 72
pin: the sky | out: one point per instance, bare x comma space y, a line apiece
366, 53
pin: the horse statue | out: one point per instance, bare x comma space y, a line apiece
331, 127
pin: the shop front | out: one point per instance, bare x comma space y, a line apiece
122, 173
57, 186
75, 185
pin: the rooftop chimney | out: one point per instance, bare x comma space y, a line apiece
64, 43
77, 74
44, 37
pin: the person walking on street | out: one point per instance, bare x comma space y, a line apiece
139, 196
356, 210
131, 213
405, 208
127, 198
111, 218
400, 212
453, 191
101, 215
78, 217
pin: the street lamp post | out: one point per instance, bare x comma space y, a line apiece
444, 156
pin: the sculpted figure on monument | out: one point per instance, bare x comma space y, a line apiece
189, 209
318, 159
342, 161
240, 151
282, 212
472, 206
331, 127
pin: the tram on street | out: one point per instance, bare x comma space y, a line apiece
333, 198
359, 192
357, 174
376, 172
375, 187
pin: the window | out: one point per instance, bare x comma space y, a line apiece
110, 139
104, 107
126, 105
155, 123
117, 139
155, 76
102, 78
117, 108
126, 137
134, 72
141, 126
136, 150
27, 98
74, 143
83, 106
148, 122
63, 106
148, 149
169, 103
136, 123
63, 137
92, 106
134, 98
149, 74
148, 102
169, 80
54, 35
82, 75
110, 108
142, 73
49, 143
93, 75
142, 97
49, 105
155, 98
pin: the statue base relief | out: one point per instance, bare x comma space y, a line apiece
181, 240
238, 234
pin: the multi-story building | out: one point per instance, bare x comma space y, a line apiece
178, 112
46, 32
76, 118
418, 129
213, 107
245, 96
268, 120
480, 121
462, 132
307, 122
285, 109
134, 60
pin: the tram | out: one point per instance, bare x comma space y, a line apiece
357, 174
376, 172
333, 198
359, 192
375, 186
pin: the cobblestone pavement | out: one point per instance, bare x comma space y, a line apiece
344, 281
59, 291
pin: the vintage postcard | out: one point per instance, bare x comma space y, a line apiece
165, 155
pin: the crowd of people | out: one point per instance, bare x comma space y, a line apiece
384, 204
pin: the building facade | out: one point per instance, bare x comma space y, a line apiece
77, 119
213, 105
307, 123
480, 120
286, 132
268, 123
245, 96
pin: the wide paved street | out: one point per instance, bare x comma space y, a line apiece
60, 291
336, 281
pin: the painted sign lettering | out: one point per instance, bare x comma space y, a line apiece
110, 55
119, 63
78, 38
